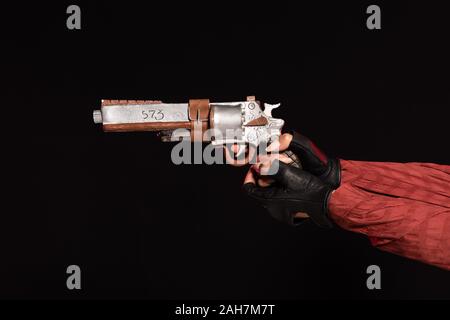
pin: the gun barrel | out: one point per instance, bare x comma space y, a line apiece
125, 115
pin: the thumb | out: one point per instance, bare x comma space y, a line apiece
279, 171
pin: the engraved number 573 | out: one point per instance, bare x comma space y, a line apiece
153, 114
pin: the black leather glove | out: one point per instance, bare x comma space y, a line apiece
294, 190
315, 161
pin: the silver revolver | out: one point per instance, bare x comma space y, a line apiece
242, 123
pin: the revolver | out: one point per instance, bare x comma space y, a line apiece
242, 123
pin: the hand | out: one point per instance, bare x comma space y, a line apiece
293, 190
311, 157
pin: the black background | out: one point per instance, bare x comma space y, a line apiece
141, 227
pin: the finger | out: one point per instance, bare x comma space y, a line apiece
283, 173
255, 170
250, 177
301, 215
249, 185
281, 144
264, 167
255, 191
273, 156
265, 182
260, 193
285, 141
284, 158
239, 155
266, 163
230, 157
264, 158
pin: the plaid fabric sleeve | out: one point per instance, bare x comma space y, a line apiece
404, 208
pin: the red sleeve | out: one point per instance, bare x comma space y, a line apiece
403, 208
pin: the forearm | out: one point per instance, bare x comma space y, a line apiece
402, 208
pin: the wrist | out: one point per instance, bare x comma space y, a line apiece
332, 176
